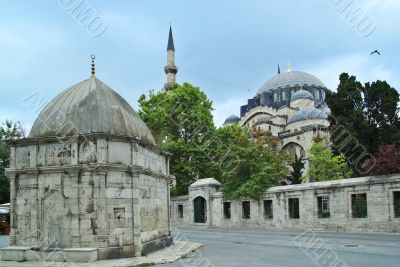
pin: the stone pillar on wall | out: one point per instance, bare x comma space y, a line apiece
12, 209
137, 236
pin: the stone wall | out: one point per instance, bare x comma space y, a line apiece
107, 193
380, 215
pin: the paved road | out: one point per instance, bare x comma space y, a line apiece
252, 248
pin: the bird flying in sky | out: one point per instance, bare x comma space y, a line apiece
375, 52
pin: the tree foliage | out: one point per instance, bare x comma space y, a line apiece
296, 173
387, 160
363, 117
8, 131
181, 122
254, 164
324, 166
245, 161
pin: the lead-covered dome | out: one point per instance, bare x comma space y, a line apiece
302, 94
232, 119
90, 106
308, 113
290, 79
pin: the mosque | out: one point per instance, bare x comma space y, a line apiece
291, 105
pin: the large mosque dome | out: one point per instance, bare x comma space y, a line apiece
87, 107
290, 79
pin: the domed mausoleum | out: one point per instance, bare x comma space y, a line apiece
89, 182
291, 105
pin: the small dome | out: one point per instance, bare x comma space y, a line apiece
308, 114
290, 79
206, 182
232, 119
302, 94
90, 106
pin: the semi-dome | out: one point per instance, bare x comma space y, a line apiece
302, 94
90, 106
308, 113
290, 79
232, 119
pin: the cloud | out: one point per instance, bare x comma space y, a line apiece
365, 67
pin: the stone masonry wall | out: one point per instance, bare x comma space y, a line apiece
380, 207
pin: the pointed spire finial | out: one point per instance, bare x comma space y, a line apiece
170, 39
93, 57
279, 69
289, 67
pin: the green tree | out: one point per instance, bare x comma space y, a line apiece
254, 164
363, 117
381, 110
182, 123
296, 174
324, 166
8, 131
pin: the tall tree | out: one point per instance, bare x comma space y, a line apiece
362, 118
8, 131
381, 110
324, 166
296, 173
254, 164
181, 122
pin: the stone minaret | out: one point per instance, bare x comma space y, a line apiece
170, 69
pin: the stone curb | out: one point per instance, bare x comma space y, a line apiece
170, 254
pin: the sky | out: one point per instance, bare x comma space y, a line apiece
227, 48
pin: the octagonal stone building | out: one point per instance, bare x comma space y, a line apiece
89, 182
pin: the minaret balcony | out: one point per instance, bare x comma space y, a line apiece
171, 69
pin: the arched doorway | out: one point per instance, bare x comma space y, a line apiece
199, 207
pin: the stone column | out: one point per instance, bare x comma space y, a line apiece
137, 237
13, 226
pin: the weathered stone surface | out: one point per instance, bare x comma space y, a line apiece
90, 107
380, 206
114, 205
80, 254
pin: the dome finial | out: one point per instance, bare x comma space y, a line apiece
93, 57
289, 67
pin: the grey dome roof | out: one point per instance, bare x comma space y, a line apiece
302, 94
90, 106
206, 182
232, 119
308, 113
290, 79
